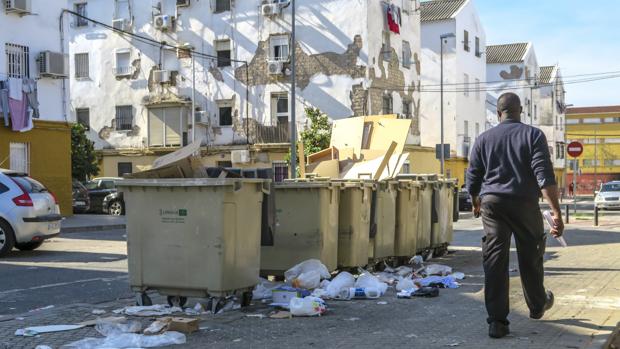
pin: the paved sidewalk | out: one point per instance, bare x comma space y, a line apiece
92, 222
585, 278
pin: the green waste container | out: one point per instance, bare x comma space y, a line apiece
383, 224
406, 237
354, 222
446, 210
425, 206
193, 237
307, 226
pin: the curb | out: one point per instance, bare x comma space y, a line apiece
92, 228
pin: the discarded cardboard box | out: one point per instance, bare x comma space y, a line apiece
181, 324
182, 163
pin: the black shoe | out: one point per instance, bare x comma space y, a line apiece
548, 305
498, 329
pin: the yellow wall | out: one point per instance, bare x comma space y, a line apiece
50, 157
108, 165
456, 168
605, 136
422, 159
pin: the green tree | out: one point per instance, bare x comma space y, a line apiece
83, 157
316, 137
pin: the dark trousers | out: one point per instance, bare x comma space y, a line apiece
502, 217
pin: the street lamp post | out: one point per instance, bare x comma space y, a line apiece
441, 42
293, 104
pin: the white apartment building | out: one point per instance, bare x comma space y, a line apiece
464, 68
35, 136
230, 61
514, 68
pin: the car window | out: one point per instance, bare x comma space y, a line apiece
29, 185
92, 185
3, 188
107, 185
611, 187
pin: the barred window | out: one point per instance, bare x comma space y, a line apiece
81, 10
83, 117
280, 171
17, 61
124, 117
387, 104
81, 65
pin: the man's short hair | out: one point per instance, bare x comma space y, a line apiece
509, 103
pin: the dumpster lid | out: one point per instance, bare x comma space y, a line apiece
303, 184
187, 182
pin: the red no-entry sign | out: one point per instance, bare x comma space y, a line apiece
575, 149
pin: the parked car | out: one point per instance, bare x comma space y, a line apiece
114, 204
29, 212
608, 197
465, 201
98, 190
81, 201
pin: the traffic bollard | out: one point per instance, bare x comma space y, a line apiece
567, 213
595, 216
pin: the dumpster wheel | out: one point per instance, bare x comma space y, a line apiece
246, 299
177, 301
143, 299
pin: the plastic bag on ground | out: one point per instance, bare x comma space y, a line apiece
151, 310
437, 269
404, 271
388, 278
113, 328
309, 280
405, 284
306, 266
444, 281
308, 306
341, 281
129, 340
264, 289
367, 280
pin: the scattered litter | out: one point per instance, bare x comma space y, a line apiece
308, 306
319, 292
264, 288
180, 324
156, 327
281, 314
110, 328
198, 309
416, 260
438, 269
237, 340
19, 318
367, 280
403, 271
455, 344
307, 274
98, 311
359, 293
341, 281
405, 284
282, 295
37, 330
42, 347
116, 319
439, 281
130, 340
458, 275
352, 319
523, 338
411, 336
382, 303
42, 308
388, 278
151, 310
260, 316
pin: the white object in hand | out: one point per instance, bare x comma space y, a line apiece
551, 224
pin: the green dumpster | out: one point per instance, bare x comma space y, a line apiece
383, 224
406, 237
354, 222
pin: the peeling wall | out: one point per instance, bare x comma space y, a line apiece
340, 66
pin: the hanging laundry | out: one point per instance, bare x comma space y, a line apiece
19, 113
15, 89
392, 24
30, 89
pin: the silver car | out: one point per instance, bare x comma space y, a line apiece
608, 197
29, 213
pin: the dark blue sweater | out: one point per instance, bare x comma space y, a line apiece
511, 159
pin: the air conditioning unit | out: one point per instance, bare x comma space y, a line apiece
269, 10
53, 64
163, 22
161, 76
121, 24
183, 3
240, 156
275, 67
17, 6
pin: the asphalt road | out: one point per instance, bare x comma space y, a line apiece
83, 267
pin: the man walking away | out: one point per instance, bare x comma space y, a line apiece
509, 167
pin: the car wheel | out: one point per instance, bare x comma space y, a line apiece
116, 208
7, 238
28, 246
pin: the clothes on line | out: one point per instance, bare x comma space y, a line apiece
4, 102
19, 103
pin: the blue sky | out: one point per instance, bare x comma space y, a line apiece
582, 36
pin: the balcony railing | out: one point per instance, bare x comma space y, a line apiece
272, 134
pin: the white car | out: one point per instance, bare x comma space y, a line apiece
609, 196
29, 213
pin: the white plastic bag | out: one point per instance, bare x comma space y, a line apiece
107, 328
308, 306
264, 289
341, 281
309, 280
306, 266
437, 269
405, 284
367, 280
129, 340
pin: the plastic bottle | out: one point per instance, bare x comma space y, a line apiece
359, 293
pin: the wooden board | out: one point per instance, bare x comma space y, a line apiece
348, 133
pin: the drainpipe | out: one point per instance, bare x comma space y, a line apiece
62, 51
